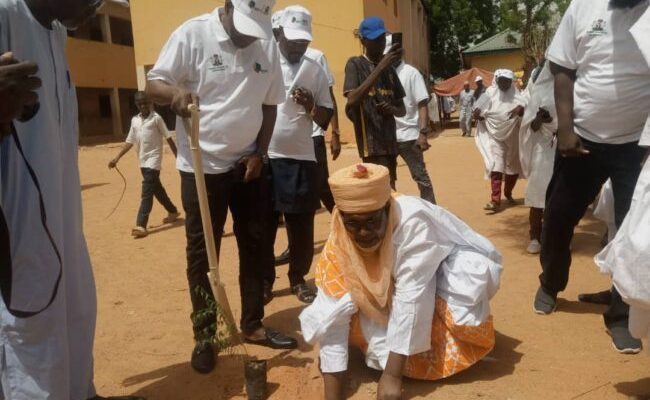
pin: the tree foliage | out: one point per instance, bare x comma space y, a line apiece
455, 24
535, 20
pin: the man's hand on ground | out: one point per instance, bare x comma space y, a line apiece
390, 387
254, 165
335, 145
570, 145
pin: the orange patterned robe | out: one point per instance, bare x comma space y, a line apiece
454, 347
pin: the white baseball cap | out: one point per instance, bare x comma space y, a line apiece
276, 19
253, 17
478, 79
296, 23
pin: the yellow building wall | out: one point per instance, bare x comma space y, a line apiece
101, 65
334, 24
491, 62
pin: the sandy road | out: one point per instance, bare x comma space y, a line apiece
144, 336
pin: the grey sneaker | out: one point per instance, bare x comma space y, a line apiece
623, 341
545, 303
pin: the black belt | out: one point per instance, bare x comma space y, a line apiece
5, 245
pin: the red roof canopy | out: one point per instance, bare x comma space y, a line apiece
453, 86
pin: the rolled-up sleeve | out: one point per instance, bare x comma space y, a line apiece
174, 64
563, 50
413, 305
327, 322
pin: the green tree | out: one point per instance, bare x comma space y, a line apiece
536, 21
455, 24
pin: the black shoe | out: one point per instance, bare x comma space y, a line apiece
623, 341
604, 297
304, 293
545, 303
283, 258
274, 340
203, 360
268, 293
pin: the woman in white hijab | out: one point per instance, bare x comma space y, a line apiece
499, 113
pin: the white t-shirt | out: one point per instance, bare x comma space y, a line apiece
408, 126
612, 89
320, 58
294, 126
232, 85
148, 134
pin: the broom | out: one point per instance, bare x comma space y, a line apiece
218, 288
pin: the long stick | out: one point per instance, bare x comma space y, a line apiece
192, 128
121, 196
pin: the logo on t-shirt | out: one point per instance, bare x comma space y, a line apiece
598, 28
216, 63
259, 69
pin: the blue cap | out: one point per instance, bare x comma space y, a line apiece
371, 28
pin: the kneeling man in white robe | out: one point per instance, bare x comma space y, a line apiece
402, 279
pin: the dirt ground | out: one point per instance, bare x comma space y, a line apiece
144, 336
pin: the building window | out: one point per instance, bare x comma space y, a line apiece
121, 31
105, 106
91, 30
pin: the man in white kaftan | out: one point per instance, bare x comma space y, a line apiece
537, 146
48, 355
419, 293
627, 257
499, 113
466, 100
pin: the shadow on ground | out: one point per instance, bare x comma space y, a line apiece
637, 390
586, 239
501, 362
89, 186
179, 381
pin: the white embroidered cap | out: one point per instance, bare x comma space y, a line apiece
253, 17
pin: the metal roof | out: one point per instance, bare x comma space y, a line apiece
504, 41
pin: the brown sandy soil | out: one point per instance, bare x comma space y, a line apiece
144, 337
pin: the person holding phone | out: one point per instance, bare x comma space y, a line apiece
292, 156
375, 97
413, 128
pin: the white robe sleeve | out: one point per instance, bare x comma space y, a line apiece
417, 261
327, 322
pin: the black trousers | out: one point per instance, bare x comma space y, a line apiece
252, 212
388, 161
575, 184
323, 173
300, 233
152, 187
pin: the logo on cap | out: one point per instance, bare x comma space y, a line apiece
264, 10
